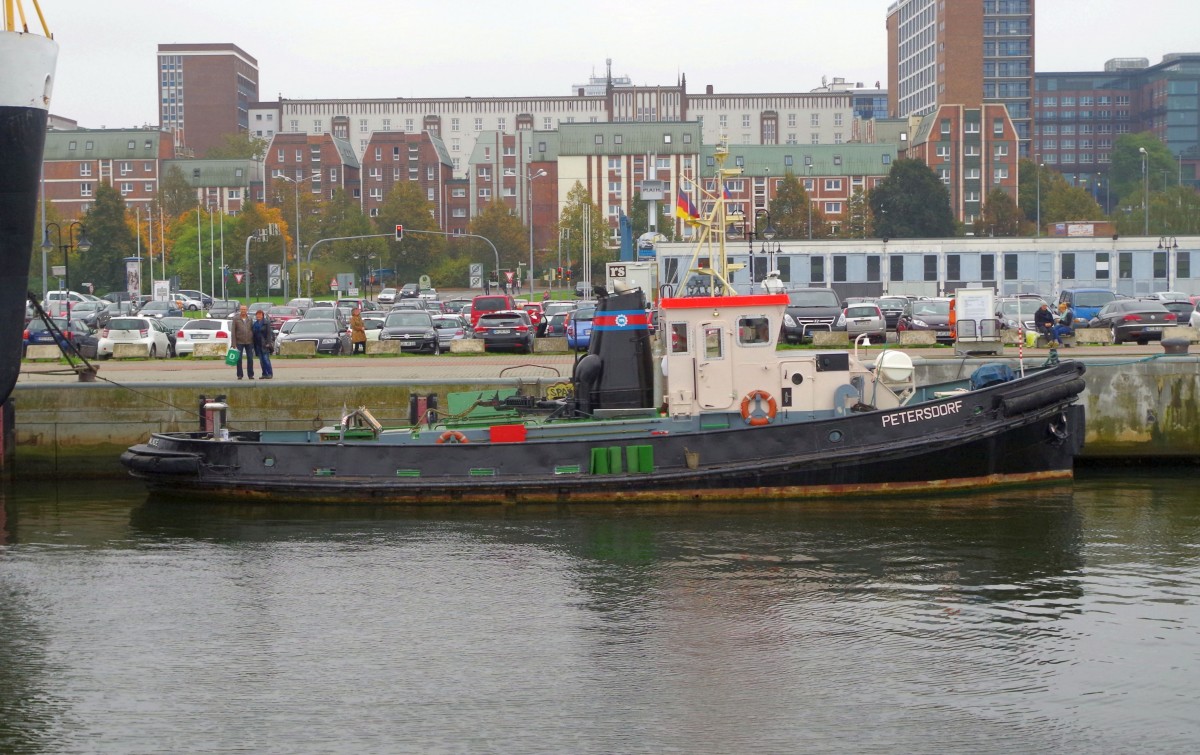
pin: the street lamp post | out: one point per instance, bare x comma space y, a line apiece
1039, 196
530, 178
296, 182
1145, 195
74, 241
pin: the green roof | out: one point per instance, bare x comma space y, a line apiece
825, 159
214, 173
103, 144
629, 138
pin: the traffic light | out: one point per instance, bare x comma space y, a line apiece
568, 275
559, 275
399, 233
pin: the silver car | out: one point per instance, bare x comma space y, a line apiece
863, 318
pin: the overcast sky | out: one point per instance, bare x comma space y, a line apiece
310, 49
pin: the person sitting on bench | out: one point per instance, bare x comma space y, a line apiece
1043, 321
1065, 326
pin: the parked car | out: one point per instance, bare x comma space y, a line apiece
1014, 312
556, 325
1085, 302
327, 313
160, 309
301, 303
93, 314
534, 308
206, 330
279, 315
39, 333
506, 329
410, 291
144, 330
265, 306
427, 293
204, 299
413, 328
122, 308
582, 288
489, 303
326, 333
187, 303
410, 304
284, 330
864, 318
449, 328
455, 306
1140, 320
223, 309
373, 325
579, 327
1175, 301
809, 310
388, 296
929, 314
173, 324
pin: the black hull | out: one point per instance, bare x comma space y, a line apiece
22, 138
1019, 432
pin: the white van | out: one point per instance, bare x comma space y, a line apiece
64, 295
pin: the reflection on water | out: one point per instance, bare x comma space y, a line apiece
1056, 619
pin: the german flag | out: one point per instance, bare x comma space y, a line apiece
685, 209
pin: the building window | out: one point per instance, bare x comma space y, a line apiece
873, 267
931, 271
485, 193
896, 268
126, 189
839, 268
479, 124
85, 169
1068, 265
817, 274
666, 138
599, 139
85, 189
833, 184
833, 208
953, 267
814, 119
1010, 267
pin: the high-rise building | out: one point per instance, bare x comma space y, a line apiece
1080, 114
205, 91
962, 52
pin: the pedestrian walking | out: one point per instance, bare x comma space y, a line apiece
264, 343
358, 332
243, 341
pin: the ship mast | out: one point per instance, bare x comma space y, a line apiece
709, 258
14, 9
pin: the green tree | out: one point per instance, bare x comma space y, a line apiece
1125, 173
340, 217
52, 257
175, 195
911, 202
571, 227
1000, 216
793, 213
238, 146
419, 252
112, 241
639, 216
1067, 202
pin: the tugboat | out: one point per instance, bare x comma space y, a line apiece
733, 419
27, 63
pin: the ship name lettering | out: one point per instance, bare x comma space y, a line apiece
921, 414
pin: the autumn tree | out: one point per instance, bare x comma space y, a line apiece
857, 224
1000, 216
793, 213
497, 223
175, 195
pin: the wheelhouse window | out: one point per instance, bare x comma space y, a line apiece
713, 348
754, 331
679, 338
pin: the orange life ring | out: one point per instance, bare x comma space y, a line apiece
751, 401
453, 436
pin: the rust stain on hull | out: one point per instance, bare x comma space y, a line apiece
558, 495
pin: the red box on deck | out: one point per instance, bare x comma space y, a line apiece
507, 433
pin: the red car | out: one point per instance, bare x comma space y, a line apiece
279, 315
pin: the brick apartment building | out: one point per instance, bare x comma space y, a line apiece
205, 92
973, 150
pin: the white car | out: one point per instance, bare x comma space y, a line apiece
146, 331
1194, 320
388, 296
187, 303
206, 330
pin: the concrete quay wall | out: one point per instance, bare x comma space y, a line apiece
1138, 408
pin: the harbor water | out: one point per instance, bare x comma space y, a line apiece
1058, 620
